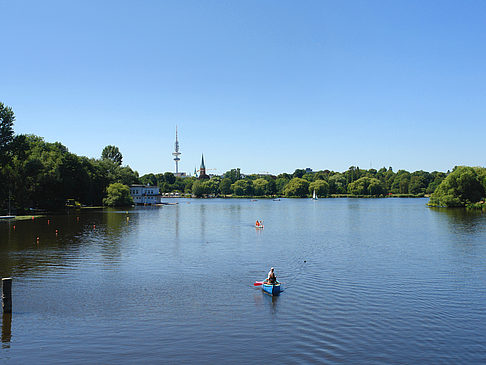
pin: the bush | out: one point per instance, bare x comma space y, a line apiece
118, 195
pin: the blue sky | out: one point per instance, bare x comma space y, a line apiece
261, 85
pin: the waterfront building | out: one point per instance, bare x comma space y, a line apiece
145, 194
202, 170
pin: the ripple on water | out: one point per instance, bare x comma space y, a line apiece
385, 281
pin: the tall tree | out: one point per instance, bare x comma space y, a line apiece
297, 187
225, 186
112, 153
7, 119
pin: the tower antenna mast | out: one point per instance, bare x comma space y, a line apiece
176, 154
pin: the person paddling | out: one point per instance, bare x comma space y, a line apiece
271, 279
257, 223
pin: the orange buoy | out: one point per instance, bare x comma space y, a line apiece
32, 217
48, 221
14, 228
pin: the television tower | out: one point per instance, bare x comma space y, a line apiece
176, 154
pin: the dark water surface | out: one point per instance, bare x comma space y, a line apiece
385, 281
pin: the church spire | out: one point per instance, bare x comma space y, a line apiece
202, 162
202, 170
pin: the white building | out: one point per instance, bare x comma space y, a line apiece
145, 195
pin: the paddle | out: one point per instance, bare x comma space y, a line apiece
257, 283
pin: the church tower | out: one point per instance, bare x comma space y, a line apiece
202, 170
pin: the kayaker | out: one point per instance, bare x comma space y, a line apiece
271, 279
257, 223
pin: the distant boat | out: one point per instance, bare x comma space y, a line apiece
314, 196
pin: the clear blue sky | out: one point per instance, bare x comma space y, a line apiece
261, 85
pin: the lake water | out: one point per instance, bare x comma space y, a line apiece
366, 281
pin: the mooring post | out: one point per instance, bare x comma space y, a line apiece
7, 295
6, 327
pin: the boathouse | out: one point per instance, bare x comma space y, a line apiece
145, 194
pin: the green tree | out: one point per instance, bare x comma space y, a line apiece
309, 176
460, 187
320, 186
118, 195
260, 186
297, 187
271, 187
225, 186
188, 181
233, 174
322, 175
281, 183
435, 179
366, 186
149, 179
298, 173
418, 183
242, 187
112, 153
199, 189
169, 177
212, 186
7, 119
337, 184
401, 182
178, 185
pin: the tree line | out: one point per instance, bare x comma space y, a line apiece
43, 175
354, 181
38, 174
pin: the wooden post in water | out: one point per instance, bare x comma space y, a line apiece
6, 327
7, 295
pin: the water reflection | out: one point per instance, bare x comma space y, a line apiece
114, 227
272, 300
202, 213
177, 223
385, 277
263, 299
6, 329
462, 220
51, 242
